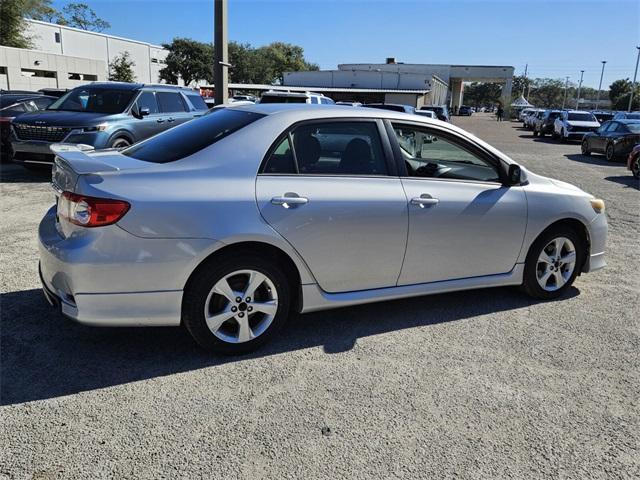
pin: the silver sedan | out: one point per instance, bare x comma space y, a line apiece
230, 223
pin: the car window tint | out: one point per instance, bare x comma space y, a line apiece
428, 154
43, 103
170, 102
197, 101
13, 110
340, 148
191, 137
281, 160
147, 100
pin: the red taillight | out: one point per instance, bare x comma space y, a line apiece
91, 211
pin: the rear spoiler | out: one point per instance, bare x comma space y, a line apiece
74, 156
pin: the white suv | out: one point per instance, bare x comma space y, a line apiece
280, 96
573, 124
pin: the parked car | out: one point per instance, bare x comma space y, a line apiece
426, 113
279, 96
53, 92
530, 120
524, 112
615, 139
229, 223
602, 116
465, 111
633, 161
627, 115
441, 111
393, 107
13, 105
544, 124
102, 115
349, 104
573, 124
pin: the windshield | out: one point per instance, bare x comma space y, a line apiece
433, 109
191, 137
634, 127
282, 99
634, 116
94, 100
582, 117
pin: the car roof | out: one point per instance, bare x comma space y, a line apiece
628, 120
134, 86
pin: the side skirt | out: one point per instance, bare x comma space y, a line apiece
315, 299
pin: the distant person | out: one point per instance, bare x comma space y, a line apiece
499, 113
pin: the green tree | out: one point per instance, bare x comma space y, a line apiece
282, 57
80, 15
12, 25
479, 94
188, 59
547, 92
618, 89
42, 10
121, 68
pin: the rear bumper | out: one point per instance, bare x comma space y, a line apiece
106, 276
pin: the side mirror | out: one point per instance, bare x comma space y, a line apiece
514, 174
144, 111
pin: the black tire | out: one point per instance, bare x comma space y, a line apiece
635, 167
535, 132
203, 281
530, 283
563, 139
119, 142
554, 135
541, 133
585, 148
610, 153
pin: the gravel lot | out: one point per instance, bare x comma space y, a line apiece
483, 384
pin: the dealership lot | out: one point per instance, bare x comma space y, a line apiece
474, 384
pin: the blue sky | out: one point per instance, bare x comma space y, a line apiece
556, 38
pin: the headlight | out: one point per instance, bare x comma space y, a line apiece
97, 128
597, 205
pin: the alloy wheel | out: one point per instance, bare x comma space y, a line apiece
635, 167
556, 264
610, 153
241, 306
585, 148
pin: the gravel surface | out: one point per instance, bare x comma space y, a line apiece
482, 384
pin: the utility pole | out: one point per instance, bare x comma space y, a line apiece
579, 88
566, 87
524, 84
633, 85
600, 86
221, 57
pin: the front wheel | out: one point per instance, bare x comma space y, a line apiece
584, 148
535, 132
635, 167
119, 143
232, 306
610, 153
563, 139
553, 263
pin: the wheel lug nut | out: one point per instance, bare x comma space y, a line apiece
241, 314
249, 309
248, 299
234, 309
238, 299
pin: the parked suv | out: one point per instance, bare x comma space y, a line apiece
573, 124
279, 96
544, 125
103, 115
14, 104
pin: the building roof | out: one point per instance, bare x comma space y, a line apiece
284, 88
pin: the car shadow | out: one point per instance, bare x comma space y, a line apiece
45, 355
626, 180
12, 173
593, 160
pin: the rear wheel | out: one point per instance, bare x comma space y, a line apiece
585, 148
535, 132
563, 139
234, 305
610, 153
553, 263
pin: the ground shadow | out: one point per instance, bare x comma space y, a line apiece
626, 180
44, 355
593, 160
12, 173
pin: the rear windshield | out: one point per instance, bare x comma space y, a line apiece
582, 117
634, 127
191, 137
282, 99
634, 116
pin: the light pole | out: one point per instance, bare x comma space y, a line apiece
221, 57
579, 88
566, 87
600, 86
633, 85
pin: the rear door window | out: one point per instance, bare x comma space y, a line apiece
170, 102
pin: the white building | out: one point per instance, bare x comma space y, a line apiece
445, 82
64, 57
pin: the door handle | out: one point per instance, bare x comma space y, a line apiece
171, 119
289, 200
160, 120
424, 200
